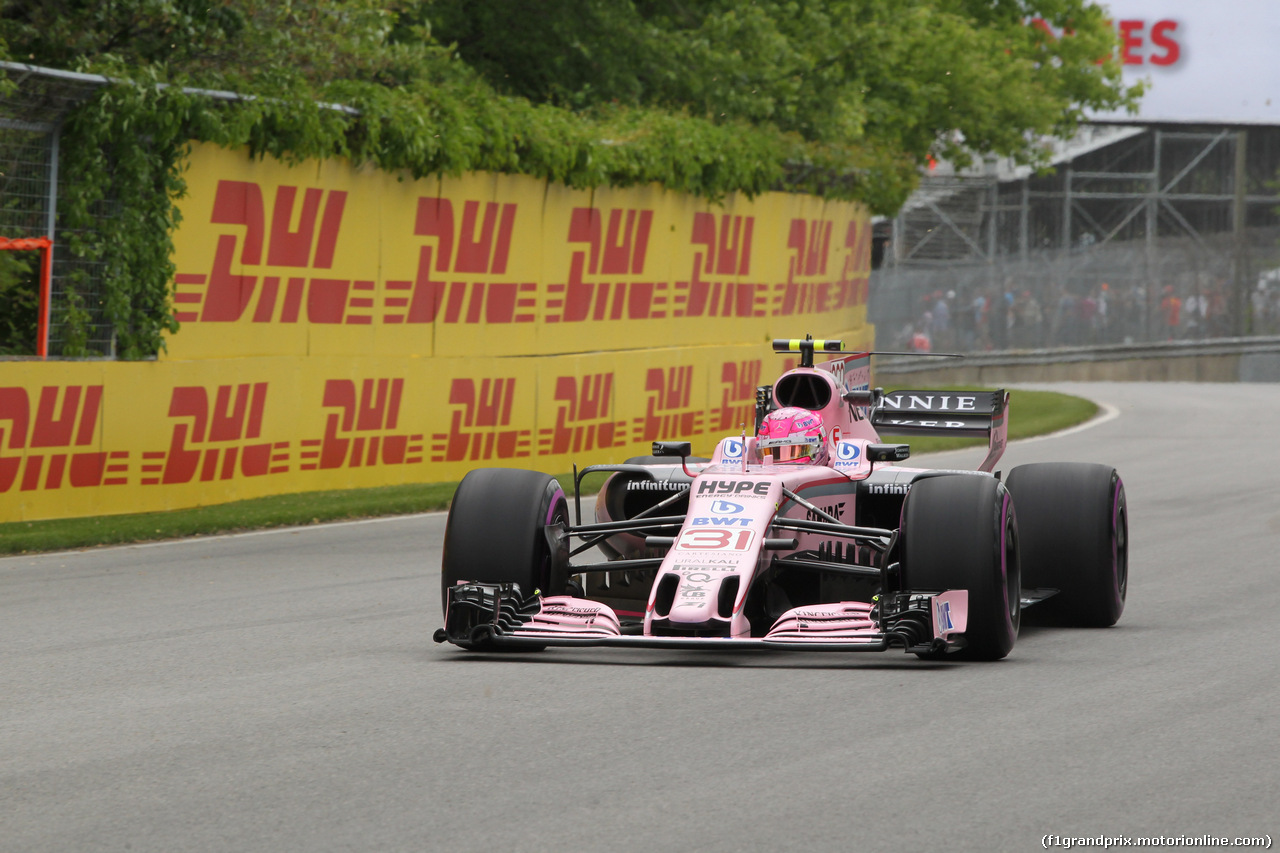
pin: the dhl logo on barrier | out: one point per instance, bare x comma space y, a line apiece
738, 382
584, 419
223, 296
216, 434
721, 258
258, 251
209, 440
301, 265
479, 243
617, 249
722, 255
480, 423
358, 433
668, 408
809, 242
484, 252
295, 426
64, 417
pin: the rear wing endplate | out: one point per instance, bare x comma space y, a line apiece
980, 414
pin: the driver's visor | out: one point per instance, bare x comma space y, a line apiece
790, 452
792, 448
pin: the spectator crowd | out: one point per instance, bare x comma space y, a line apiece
1013, 317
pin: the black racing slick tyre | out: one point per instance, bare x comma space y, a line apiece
496, 532
1075, 538
959, 532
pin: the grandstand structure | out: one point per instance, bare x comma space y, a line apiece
1159, 226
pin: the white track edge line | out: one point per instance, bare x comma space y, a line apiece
1109, 413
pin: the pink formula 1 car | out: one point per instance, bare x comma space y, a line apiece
808, 534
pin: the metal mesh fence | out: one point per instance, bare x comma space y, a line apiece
33, 104
1164, 234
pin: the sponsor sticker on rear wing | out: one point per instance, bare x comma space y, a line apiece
981, 414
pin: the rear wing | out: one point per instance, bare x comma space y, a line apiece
981, 414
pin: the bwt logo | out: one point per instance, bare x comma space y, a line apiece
725, 256
667, 411
477, 245
738, 381
64, 417
475, 430
223, 297
847, 451
810, 244
613, 248
216, 438
582, 416
373, 408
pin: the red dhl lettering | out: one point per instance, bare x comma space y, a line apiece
461, 301
64, 417
374, 407
726, 251
477, 252
701, 298
667, 412
738, 381
727, 248
851, 288
484, 251
223, 296
234, 417
618, 248
482, 244
810, 243
810, 240
475, 428
626, 240
582, 416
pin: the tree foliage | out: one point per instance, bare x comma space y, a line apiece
843, 98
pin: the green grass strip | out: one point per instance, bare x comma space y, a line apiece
1033, 413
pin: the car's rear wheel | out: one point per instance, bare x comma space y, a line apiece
1074, 523
959, 532
496, 532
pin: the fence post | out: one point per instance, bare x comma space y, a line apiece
1239, 247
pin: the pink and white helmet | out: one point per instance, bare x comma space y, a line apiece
793, 435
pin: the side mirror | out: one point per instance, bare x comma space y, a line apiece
682, 449
869, 397
888, 452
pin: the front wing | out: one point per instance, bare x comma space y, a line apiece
499, 617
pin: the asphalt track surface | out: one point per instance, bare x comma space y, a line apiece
280, 692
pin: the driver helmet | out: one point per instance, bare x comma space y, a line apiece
793, 435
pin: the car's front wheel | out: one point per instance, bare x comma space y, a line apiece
496, 532
959, 532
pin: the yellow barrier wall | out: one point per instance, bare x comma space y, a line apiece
322, 259
342, 328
